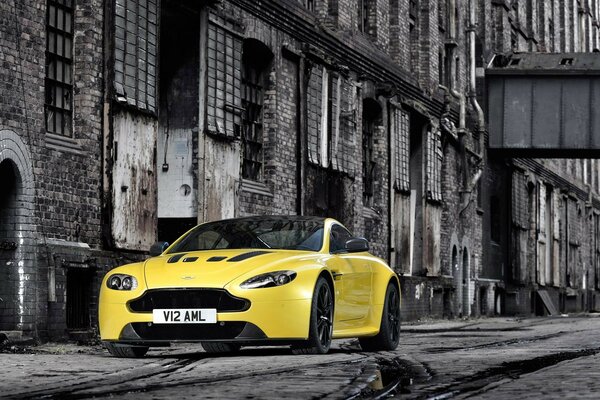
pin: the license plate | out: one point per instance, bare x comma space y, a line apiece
185, 316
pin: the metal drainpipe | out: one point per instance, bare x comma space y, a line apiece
472, 94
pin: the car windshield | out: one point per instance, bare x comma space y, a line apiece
254, 233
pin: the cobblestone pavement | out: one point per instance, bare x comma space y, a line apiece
488, 358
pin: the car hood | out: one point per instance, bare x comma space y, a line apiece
214, 268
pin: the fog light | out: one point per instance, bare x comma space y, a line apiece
115, 282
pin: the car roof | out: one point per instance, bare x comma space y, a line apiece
276, 217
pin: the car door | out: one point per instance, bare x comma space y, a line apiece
352, 274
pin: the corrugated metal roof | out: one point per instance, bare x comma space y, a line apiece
545, 64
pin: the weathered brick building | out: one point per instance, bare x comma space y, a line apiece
127, 121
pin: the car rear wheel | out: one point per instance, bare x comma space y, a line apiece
321, 321
125, 351
218, 347
389, 329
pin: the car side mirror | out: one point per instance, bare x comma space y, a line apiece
158, 248
357, 245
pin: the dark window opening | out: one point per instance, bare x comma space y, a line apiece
59, 67
566, 61
371, 120
309, 4
256, 59
367, 17
79, 292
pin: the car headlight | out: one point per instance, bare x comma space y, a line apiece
122, 282
270, 279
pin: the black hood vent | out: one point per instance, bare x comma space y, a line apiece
248, 255
175, 258
216, 258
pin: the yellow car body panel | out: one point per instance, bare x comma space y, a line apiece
360, 282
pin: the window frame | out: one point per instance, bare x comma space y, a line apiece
53, 83
258, 88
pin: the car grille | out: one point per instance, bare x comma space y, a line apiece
228, 330
219, 299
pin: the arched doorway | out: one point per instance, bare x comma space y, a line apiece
11, 184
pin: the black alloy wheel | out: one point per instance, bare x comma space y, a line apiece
389, 330
393, 315
321, 321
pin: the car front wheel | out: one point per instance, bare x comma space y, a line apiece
321, 321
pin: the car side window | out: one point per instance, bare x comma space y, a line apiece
339, 237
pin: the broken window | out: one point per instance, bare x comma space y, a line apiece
136, 37
370, 123
59, 67
400, 148
255, 61
363, 15
520, 217
435, 156
223, 97
331, 105
343, 123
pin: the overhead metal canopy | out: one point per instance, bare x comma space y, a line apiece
545, 104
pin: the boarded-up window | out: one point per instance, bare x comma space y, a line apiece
223, 97
136, 32
59, 67
343, 125
332, 100
314, 101
435, 156
400, 148
519, 200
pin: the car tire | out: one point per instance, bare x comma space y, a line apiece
125, 351
389, 329
218, 347
321, 321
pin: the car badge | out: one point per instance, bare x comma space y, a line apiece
188, 277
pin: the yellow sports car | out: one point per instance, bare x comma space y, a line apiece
268, 280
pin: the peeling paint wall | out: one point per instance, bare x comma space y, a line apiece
222, 176
176, 193
134, 217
